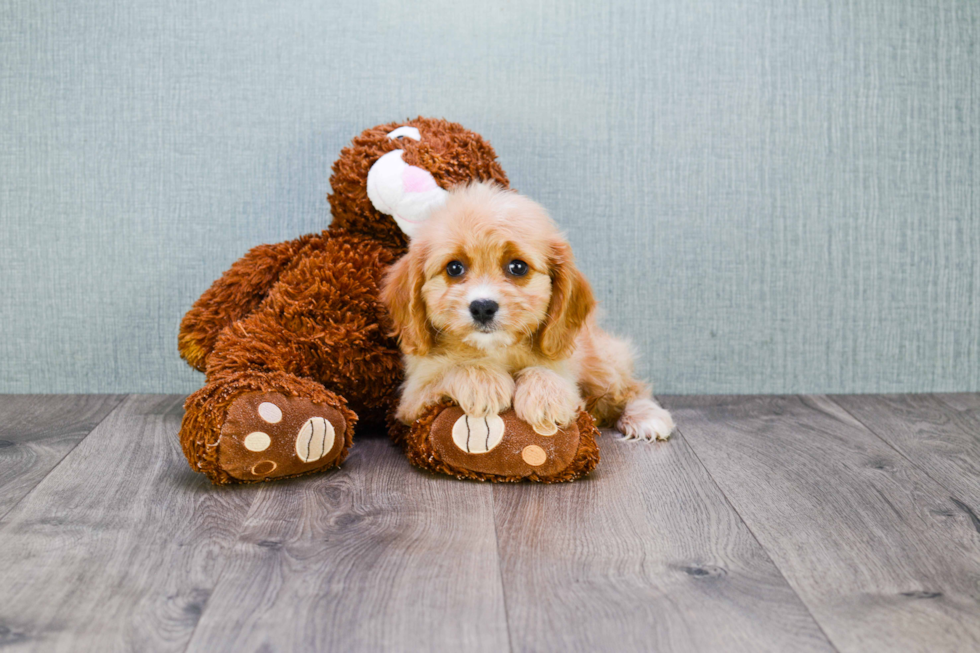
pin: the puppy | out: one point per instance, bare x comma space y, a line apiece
491, 312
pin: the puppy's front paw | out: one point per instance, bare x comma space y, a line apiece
413, 404
644, 419
545, 399
480, 392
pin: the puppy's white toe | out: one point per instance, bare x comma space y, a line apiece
644, 420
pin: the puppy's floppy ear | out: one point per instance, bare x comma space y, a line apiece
401, 292
571, 303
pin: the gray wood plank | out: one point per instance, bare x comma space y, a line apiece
939, 439
962, 401
376, 556
646, 554
37, 431
874, 547
119, 547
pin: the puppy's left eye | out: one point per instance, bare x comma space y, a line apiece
455, 269
517, 267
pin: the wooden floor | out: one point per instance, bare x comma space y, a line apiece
790, 523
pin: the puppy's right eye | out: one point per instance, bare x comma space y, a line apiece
455, 269
517, 267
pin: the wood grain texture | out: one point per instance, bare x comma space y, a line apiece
962, 401
37, 431
876, 549
377, 556
119, 547
645, 554
941, 440
769, 523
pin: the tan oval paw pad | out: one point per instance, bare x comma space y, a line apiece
270, 412
478, 434
257, 441
315, 439
264, 468
534, 455
549, 430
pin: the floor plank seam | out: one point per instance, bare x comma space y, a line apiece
679, 434
938, 396
224, 570
884, 469
122, 399
214, 589
959, 504
951, 407
500, 569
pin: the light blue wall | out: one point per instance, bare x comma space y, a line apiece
777, 196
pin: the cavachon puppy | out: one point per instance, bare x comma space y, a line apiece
491, 312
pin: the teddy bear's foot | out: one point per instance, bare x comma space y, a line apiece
501, 447
268, 435
256, 426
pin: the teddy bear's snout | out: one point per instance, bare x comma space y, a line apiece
406, 193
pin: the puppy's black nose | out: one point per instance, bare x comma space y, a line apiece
483, 310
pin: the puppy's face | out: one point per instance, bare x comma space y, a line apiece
486, 289
488, 269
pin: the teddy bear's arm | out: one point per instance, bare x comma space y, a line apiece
235, 295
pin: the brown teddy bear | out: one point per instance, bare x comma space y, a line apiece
296, 345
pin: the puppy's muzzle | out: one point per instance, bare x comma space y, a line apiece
483, 311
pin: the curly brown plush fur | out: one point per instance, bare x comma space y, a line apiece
303, 318
205, 412
450, 152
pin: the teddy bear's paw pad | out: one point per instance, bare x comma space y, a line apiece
502, 445
478, 434
315, 439
269, 435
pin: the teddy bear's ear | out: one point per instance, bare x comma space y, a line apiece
402, 294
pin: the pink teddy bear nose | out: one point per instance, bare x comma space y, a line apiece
417, 180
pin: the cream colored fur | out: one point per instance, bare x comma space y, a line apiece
543, 354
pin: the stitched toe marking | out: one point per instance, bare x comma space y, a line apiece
534, 455
257, 441
270, 412
264, 468
546, 431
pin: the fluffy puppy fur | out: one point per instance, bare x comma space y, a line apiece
491, 312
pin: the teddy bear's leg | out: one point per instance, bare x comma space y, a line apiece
500, 447
256, 420
255, 426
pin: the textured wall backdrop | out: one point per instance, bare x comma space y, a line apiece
769, 196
